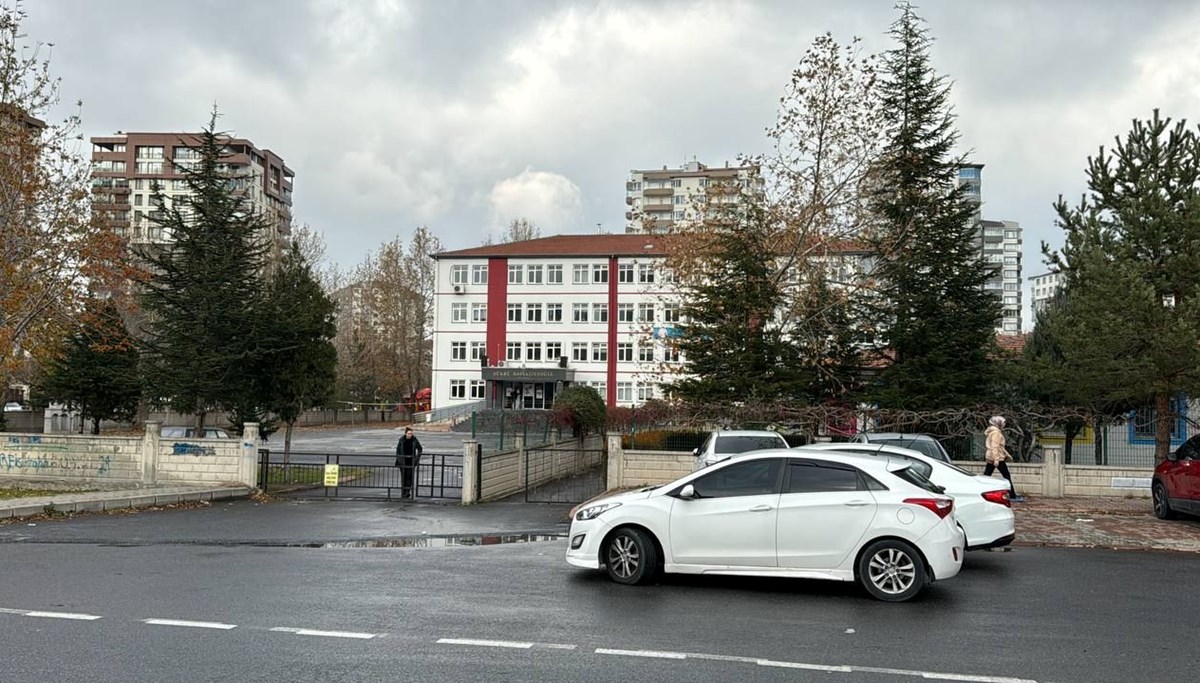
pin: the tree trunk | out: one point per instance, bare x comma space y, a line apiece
1070, 431
95, 426
1162, 426
287, 441
199, 424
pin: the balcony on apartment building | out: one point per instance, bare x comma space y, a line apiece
658, 191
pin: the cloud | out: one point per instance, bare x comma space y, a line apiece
550, 200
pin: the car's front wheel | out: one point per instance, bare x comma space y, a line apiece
1162, 504
891, 570
630, 556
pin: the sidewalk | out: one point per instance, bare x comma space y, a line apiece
99, 501
1118, 523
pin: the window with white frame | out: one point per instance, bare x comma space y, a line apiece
668, 276
599, 273
477, 351
458, 313
479, 313
670, 354
579, 351
679, 200
458, 350
514, 313
458, 388
624, 392
599, 352
579, 274
579, 313
625, 352
553, 350
645, 392
516, 275
1011, 260
477, 389
645, 313
554, 313
554, 274
601, 388
677, 215
1012, 234
533, 275
1012, 247
1011, 287
533, 313
671, 313
625, 273
458, 275
599, 313
533, 351
479, 274
646, 353
624, 313
512, 351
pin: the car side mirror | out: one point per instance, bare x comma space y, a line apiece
696, 452
1173, 455
688, 492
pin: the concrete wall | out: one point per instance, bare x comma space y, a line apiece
500, 474
646, 468
62, 461
510, 472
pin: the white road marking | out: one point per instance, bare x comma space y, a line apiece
325, 634
807, 667
191, 624
485, 643
556, 646
655, 654
63, 615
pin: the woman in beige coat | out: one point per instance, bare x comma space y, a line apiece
997, 454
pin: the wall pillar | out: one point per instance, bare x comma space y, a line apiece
1053, 472
471, 473
522, 460
616, 461
150, 443
248, 472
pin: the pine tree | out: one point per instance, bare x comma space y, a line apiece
204, 290
1131, 261
934, 319
97, 371
299, 369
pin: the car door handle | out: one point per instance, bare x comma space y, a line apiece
856, 503
761, 508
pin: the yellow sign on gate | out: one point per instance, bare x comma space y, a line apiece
331, 475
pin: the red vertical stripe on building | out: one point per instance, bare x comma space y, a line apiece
497, 309
611, 382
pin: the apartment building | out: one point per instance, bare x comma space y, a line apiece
126, 166
1043, 288
658, 200
999, 244
515, 323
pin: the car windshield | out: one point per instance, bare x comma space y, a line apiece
742, 444
929, 448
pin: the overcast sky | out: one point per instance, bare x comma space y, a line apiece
463, 115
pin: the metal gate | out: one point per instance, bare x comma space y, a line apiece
563, 474
361, 475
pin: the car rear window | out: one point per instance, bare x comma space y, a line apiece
742, 444
915, 478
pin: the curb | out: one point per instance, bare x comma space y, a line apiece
123, 500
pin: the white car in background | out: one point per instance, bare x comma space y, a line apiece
981, 504
780, 513
722, 444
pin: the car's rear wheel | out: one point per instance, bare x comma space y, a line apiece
1162, 504
630, 556
891, 570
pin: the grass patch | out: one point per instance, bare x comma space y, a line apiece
311, 475
9, 494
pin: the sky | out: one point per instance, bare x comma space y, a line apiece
464, 114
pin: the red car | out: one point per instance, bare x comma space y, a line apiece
1176, 486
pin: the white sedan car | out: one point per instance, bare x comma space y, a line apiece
782, 513
980, 503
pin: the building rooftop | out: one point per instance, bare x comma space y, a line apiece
569, 245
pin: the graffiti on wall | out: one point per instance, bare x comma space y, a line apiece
193, 449
53, 465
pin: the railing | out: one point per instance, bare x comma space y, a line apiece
435, 475
447, 412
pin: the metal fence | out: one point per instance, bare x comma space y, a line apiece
361, 475
563, 474
497, 430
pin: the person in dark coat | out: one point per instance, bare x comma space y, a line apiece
408, 454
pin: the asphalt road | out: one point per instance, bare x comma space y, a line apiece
518, 613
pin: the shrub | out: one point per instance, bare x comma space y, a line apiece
581, 409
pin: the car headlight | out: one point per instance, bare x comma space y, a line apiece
595, 511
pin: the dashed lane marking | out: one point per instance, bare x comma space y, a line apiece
63, 615
189, 624
485, 643
325, 634
654, 654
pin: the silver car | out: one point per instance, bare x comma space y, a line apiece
922, 443
722, 444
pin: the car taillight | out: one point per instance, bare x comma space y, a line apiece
998, 497
938, 506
